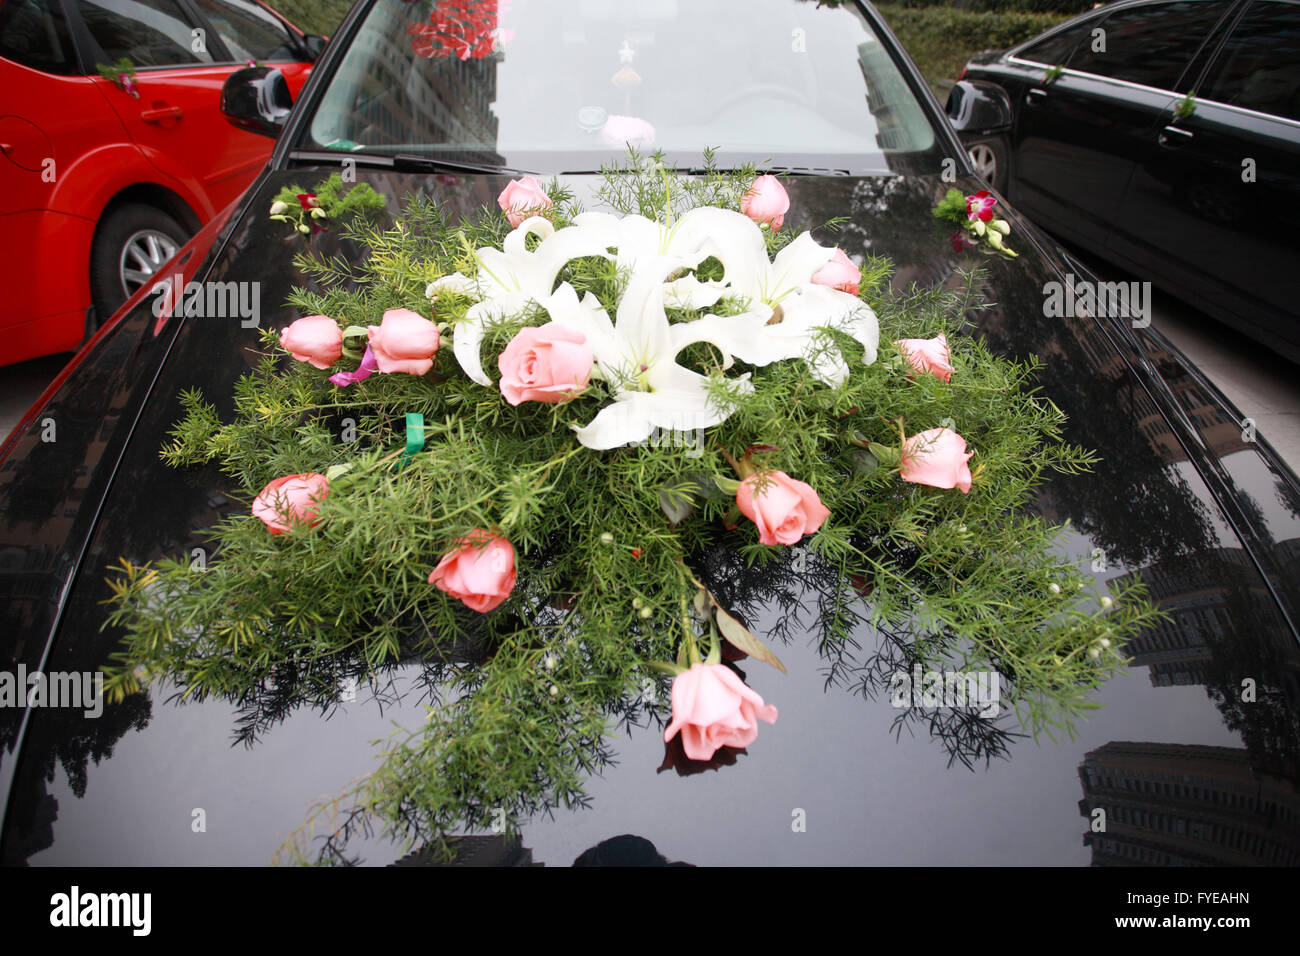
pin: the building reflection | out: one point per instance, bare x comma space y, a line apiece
1179, 805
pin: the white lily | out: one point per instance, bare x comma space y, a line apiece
787, 310
637, 355
511, 278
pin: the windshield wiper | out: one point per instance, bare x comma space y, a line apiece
405, 162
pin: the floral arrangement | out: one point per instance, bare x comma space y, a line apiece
979, 226
557, 416
121, 74
312, 212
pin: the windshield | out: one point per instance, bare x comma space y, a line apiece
568, 85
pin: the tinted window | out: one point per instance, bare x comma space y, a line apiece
1057, 49
1151, 44
33, 33
248, 31
146, 32
1259, 66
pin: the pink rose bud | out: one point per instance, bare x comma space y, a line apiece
840, 273
314, 338
785, 509
928, 355
713, 708
980, 206
936, 457
480, 572
403, 342
523, 198
547, 364
291, 500
128, 85
766, 201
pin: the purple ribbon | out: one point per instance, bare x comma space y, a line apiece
367, 368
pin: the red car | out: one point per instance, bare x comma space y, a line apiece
104, 177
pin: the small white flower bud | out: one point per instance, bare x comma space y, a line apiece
606, 538
638, 603
305, 229
1107, 604
646, 612
555, 691
1105, 642
1094, 652
1054, 588
550, 662
318, 213
278, 208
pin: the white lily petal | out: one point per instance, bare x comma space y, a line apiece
467, 335
689, 292
456, 282
794, 266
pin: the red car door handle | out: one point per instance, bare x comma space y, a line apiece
161, 114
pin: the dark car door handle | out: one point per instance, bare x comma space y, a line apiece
1171, 137
161, 114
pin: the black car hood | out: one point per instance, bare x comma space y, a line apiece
1193, 755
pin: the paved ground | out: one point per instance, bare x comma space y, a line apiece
1263, 386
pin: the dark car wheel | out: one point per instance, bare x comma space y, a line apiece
989, 157
131, 243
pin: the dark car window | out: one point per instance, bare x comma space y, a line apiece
146, 32
34, 33
1151, 44
1259, 66
248, 31
1057, 49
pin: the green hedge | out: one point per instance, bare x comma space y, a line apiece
314, 16
942, 39
1069, 7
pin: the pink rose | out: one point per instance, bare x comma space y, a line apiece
928, 355
713, 708
315, 338
480, 572
404, 342
936, 457
785, 509
547, 364
766, 201
840, 273
523, 198
980, 206
291, 500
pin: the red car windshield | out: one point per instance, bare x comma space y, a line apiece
568, 86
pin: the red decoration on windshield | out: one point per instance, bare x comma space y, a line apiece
461, 28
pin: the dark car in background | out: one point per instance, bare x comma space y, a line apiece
1163, 136
1183, 770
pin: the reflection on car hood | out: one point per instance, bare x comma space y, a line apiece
1192, 758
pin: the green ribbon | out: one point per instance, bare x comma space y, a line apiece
414, 438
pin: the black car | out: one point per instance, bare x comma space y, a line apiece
1193, 759
1163, 136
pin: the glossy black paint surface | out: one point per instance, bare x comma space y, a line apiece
1186, 771
1202, 205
